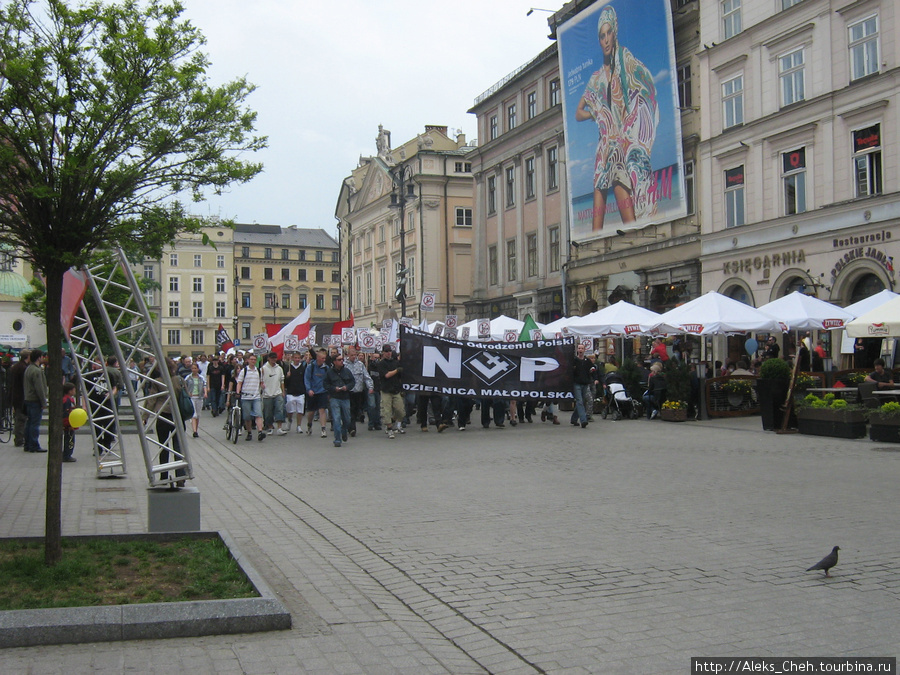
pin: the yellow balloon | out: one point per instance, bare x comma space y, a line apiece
77, 417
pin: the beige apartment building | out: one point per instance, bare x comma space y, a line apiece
278, 272
194, 294
425, 186
799, 151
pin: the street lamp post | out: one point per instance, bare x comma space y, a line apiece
403, 193
274, 308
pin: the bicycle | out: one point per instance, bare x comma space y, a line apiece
6, 424
233, 426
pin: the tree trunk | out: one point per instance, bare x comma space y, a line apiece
53, 518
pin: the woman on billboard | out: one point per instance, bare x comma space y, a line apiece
621, 99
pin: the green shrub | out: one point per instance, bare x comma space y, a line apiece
775, 369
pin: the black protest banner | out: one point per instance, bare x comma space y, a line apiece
538, 369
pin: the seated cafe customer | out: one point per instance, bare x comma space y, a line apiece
883, 378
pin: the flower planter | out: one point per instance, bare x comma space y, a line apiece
671, 415
885, 428
735, 399
839, 423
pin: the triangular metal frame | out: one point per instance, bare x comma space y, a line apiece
130, 329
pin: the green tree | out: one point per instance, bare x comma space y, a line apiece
106, 118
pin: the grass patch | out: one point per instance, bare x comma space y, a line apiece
100, 571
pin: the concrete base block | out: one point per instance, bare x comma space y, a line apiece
173, 510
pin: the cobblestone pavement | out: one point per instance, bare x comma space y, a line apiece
626, 547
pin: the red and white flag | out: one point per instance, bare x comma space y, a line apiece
298, 327
223, 342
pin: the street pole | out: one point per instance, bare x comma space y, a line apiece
403, 193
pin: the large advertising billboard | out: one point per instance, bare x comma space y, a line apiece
621, 116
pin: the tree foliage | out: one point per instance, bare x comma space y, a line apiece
106, 119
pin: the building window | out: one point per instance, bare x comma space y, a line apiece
245, 300
148, 272
335, 276
267, 253
220, 284
552, 169
336, 303
734, 197
511, 117
173, 260
689, 186
492, 125
197, 309
382, 284
793, 177
335, 256
791, 73
731, 16
491, 194
220, 261
493, 271
174, 336
301, 255
245, 331
174, 284
867, 160
532, 256
285, 301
532, 104
302, 301
787, 4
358, 288
733, 101
285, 254
863, 47
220, 309
174, 308
463, 216
319, 256
411, 277
197, 284
512, 271
510, 186
554, 92
685, 98
285, 274
245, 273
368, 288
301, 275
320, 301
268, 274
245, 251
197, 336
553, 236
198, 260
269, 300
320, 275
529, 178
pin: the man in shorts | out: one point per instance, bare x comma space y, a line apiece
249, 386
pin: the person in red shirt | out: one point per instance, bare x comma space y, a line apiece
659, 351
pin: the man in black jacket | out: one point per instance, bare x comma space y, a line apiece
339, 382
583, 375
295, 390
392, 406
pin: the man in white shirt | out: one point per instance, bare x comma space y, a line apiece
249, 386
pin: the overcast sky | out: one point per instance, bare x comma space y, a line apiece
329, 72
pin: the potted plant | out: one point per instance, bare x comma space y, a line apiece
737, 388
771, 389
855, 378
804, 381
830, 416
673, 411
885, 423
631, 378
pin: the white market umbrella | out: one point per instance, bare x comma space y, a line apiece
804, 312
870, 303
551, 329
620, 319
716, 313
881, 322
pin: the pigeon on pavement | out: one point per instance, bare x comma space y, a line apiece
827, 562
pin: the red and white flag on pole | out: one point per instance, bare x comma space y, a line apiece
298, 327
223, 342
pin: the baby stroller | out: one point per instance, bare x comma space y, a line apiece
618, 403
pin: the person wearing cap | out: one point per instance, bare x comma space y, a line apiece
273, 394
392, 406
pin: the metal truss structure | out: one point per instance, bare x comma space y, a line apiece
118, 303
